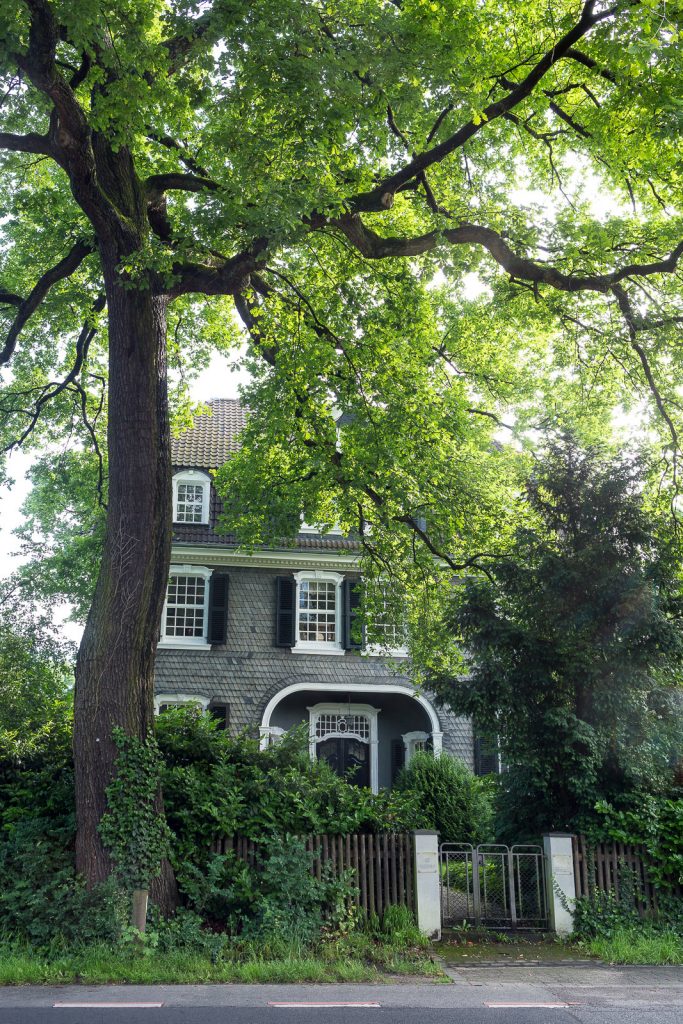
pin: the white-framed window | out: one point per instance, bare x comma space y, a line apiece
163, 701
191, 491
413, 743
184, 621
389, 636
331, 531
318, 612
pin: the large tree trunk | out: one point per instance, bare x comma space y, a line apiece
115, 666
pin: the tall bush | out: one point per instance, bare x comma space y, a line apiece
452, 799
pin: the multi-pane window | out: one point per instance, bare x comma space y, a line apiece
190, 503
191, 488
317, 611
389, 631
185, 614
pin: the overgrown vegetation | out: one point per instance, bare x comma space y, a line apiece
574, 647
453, 801
639, 945
235, 917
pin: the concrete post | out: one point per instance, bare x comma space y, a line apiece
560, 887
139, 909
427, 883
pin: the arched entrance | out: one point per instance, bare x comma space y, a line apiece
372, 739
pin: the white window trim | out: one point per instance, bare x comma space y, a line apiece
370, 713
270, 735
319, 646
379, 651
198, 643
331, 531
192, 476
410, 741
180, 698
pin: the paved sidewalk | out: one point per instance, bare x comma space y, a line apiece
632, 988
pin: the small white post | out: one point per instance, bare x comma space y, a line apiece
560, 887
427, 883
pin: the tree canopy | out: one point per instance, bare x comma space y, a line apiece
573, 647
334, 173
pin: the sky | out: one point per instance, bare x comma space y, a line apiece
216, 381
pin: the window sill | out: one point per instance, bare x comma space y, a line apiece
185, 645
317, 649
376, 651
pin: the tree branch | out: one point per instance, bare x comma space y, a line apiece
588, 62
29, 143
65, 268
156, 184
374, 246
70, 136
381, 197
50, 391
632, 321
230, 277
186, 158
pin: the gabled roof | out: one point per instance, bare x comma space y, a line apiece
213, 437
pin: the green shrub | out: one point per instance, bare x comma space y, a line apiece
602, 915
452, 799
217, 785
42, 900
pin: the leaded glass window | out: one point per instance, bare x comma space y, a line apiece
342, 724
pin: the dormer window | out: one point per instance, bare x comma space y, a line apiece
191, 490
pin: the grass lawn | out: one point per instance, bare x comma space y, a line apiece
97, 965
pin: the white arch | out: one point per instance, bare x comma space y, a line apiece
365, 688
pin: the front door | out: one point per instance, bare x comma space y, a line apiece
347, 754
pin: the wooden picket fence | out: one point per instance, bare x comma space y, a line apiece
382, 866
601, 866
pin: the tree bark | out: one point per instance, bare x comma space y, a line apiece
115, 665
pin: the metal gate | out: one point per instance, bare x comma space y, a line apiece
493, 885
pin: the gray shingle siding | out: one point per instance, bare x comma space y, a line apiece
249, 669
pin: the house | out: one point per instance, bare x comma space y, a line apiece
264, 639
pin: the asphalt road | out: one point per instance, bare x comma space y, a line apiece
591, 995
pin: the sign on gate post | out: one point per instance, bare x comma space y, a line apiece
560, 884
427, 883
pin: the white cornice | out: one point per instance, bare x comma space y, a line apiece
285, 558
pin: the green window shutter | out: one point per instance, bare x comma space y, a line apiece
218, 608
284, 611
352, 631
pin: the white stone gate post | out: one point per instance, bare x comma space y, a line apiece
560, 886
427, 883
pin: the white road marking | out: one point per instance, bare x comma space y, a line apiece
528, 1006
106, 1006
302, 1006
